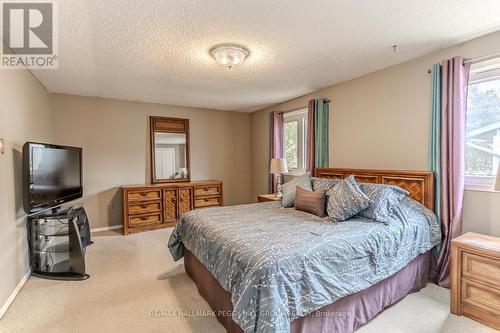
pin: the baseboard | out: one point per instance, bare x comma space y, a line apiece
111, 227
14, 293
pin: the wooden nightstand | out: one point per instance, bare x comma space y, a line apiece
266, 197
475, 278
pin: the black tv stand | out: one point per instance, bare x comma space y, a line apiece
58, 241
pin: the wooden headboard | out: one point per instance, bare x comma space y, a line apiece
420, 184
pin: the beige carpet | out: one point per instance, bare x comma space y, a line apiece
133, 276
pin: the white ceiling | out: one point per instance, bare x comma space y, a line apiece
157, 50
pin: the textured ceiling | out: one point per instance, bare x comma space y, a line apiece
157, 50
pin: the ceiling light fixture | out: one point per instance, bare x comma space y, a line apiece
229, 55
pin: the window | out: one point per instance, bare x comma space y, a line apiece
482, 153
295, 140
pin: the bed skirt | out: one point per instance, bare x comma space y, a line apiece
343, 316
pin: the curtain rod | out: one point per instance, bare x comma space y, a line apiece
476, 60
483, 58
293, 110
302, 107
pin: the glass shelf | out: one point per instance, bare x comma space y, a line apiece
54, 262
56, 234
52, 247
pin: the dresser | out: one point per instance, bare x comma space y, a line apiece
475, 278
149, 207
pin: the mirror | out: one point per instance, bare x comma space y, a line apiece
169, 149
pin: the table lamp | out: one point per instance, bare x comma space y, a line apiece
278, 167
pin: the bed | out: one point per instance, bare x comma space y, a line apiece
264, 268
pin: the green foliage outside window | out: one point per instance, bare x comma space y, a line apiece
291, 137
483, 109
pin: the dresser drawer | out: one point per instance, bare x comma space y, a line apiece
206, 190
145, 219
481, 269
481, 296
146, 207
206, 202
144, 195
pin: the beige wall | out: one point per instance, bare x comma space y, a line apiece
381, 120
24, 115
115, 139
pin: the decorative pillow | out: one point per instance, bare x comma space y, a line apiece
323, 184
311, 202
288, 189
345, 200
384, 200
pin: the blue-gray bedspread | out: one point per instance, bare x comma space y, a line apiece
280, 264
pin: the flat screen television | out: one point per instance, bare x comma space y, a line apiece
52, 175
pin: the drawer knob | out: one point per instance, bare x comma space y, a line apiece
144, 206
144, 218
206, 189
143, 194
181, 199
206, 199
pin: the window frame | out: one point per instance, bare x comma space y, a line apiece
301, 117
479, 183
484, 71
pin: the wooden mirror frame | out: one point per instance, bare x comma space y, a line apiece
168, 125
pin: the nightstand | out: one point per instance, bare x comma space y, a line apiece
266, 197
475, 278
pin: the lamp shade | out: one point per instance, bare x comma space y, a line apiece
496, 187
278, 165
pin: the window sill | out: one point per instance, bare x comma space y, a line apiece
480, 189
479, 183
